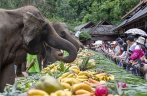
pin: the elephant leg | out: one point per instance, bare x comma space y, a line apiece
7, 76
23, 66
19, 70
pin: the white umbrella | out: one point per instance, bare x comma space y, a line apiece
135, 31
97, 42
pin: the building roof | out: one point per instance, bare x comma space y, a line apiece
102, 30
104, 22
86, 25
135, 9
135, 17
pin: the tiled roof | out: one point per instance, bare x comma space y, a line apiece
102, 30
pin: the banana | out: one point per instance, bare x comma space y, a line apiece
111, 77
53, 94
74, 67
82, 77
102, 74
65, 85
75, 70
71, 81
81, 86
64, 75
35, 92
67, 93
60, 93
82, 80
81, 73
82, 91
71, 76
51, 66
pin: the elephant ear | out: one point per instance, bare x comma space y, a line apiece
32, 27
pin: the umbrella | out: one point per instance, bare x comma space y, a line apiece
97, 42
135, 31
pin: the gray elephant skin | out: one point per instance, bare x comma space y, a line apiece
26, 28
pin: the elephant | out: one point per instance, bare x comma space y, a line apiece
26, 28
62, 32
71, 33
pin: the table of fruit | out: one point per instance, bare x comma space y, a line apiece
91, 74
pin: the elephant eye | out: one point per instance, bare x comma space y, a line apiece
44, 29
63, 34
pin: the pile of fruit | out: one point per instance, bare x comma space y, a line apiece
69, 79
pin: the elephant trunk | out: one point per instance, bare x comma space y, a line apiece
74, 42
59, 43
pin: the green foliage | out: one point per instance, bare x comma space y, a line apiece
76, 12
84, 36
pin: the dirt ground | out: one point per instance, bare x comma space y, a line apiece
25, 75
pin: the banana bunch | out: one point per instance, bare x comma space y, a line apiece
67, 83
83, 76
104, 76
37, 92
74, 69
92, 73
81, 88
66, 75
51, 68
61, 93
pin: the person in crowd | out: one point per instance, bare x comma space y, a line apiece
121, 57
110, 52
136, 36
143, 63
32, 65
138, 52
78, 33
118, 48
131, 46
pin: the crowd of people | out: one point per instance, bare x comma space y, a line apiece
129, 53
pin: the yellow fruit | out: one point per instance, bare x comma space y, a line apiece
35, 92
74, 67
60, 93
71, 81
64, 75
102, 82
53, 94
100, 75
51, 66
68, 93
81, 73
70, 76
82, 91
66, 85
82, 80
82, 77
49, 84
111, 77
75, 71
81, 86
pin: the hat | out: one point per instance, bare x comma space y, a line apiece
118, 39
113, 42
120, 42
140, 40
130, 38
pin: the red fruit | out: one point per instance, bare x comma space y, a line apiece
101, 90
100, 71
121, 84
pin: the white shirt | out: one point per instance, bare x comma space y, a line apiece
117, 50
78, 34
132, 47
123, 55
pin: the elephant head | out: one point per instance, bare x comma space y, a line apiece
38, 30
62, 32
